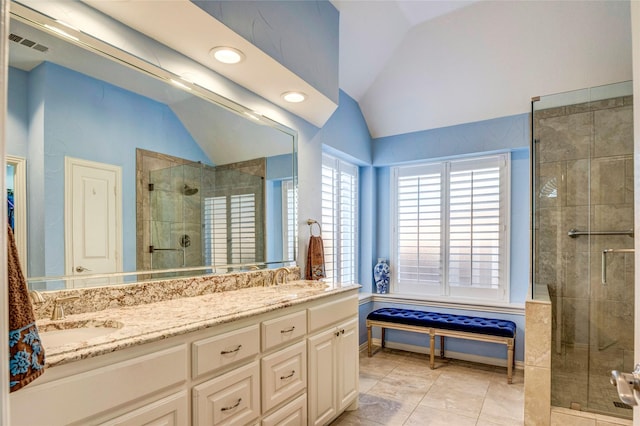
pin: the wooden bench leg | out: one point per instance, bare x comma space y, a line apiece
369, 340
442, 347
432, 350
381, 337
510, 360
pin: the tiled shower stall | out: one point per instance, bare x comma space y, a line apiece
583, 206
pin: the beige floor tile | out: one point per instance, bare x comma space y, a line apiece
367, 382
445, 397
483, 422
409, 391
504, 404
412, 369
399, 388
348, 419
382, 410
425, 416
560, 419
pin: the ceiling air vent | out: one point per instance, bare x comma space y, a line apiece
28, 43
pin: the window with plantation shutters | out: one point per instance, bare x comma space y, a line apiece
230, 229
289, 208
450, 233
340, 219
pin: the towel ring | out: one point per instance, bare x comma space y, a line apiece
312, 222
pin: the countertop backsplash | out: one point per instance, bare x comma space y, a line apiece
92, 299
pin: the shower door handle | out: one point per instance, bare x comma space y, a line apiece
627, 385
604, 261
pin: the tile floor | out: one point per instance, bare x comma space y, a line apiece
398, 388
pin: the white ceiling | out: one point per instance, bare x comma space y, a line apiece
370, 31
235, 136
418, 65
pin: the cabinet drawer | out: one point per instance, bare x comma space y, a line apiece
292, 414
332, 312
68, 400
284, 329
170, 411
224, 349
233, 398
284, 373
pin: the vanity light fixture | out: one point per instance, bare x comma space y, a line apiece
179, 84
61, 32
227, 55
294, 97
252, 115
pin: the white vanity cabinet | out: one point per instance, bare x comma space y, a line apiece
333, 360
285, 366
170, 411
233, 398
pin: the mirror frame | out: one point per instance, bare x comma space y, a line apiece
125, 58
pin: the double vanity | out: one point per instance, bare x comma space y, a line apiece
230, 349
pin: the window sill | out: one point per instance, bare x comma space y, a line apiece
439, 302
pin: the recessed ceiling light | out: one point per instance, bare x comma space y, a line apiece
227, 55
294, 97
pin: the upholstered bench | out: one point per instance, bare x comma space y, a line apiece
445, 325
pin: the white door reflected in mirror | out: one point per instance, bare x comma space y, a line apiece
94, 215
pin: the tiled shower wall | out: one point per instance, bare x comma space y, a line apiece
584, 173
169, 219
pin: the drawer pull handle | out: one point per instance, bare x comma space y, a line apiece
337, 333
231, 351
233, 406
289, 376
289, 330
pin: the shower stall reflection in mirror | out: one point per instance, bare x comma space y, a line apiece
583, 180
206, 215
16, 175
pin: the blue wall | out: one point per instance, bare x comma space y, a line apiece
17, 112
71, 114
503, 134
499, 134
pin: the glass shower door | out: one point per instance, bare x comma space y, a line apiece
584, 206
175, 213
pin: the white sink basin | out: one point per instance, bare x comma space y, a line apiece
64, 332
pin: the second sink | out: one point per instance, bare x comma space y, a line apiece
65, 332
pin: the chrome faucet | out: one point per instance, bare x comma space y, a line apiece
277, 273
58, 310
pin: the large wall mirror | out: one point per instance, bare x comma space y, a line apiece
125, 172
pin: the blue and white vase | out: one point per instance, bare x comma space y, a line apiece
381, 276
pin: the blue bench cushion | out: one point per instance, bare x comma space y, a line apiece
491, 326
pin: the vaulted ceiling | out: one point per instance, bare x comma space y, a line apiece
418, 65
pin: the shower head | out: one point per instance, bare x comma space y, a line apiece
187, 190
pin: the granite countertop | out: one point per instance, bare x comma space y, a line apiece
146, 323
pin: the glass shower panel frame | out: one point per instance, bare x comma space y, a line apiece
583, 181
